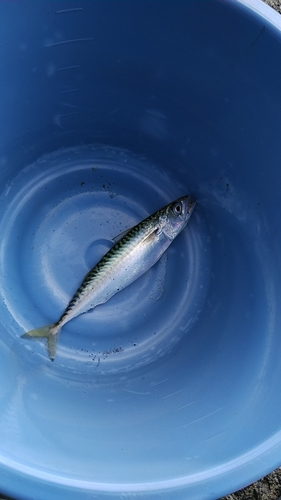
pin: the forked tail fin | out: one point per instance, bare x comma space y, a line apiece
50, 332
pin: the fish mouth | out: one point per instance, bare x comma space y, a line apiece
191, 205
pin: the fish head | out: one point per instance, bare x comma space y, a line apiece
177, 216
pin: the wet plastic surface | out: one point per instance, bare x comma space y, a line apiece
59, 217
164, 391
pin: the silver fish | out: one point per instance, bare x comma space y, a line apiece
136, 251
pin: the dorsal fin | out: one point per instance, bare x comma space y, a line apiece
121, 235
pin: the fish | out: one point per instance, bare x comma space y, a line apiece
135, 251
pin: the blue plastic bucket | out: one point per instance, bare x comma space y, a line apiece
109, 110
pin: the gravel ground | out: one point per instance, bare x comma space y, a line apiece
269, 487
275, 4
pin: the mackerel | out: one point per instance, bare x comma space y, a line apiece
135, 252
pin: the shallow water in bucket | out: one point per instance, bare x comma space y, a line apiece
60, 216
136, 370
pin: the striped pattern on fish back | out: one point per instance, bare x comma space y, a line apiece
135, 235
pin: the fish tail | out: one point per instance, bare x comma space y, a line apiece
51, 332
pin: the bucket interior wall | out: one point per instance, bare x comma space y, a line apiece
110, 110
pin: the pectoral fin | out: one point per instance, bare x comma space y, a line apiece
152, 235
154, 232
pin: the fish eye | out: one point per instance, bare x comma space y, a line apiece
177, 208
